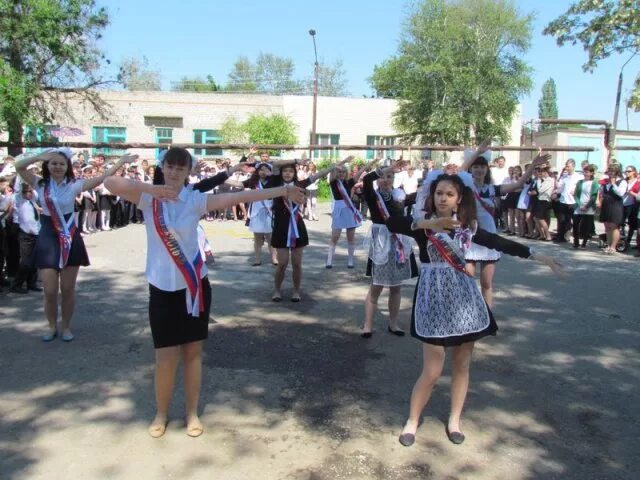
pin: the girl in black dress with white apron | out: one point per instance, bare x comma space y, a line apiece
448, 309
391, 260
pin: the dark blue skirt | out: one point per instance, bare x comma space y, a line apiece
47, 249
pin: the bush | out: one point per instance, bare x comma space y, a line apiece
324, 191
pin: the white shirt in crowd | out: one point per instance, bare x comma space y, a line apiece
27, 217
410, 182
65, 193
398, 179
566, 186
585, 197
182, 218
499, 175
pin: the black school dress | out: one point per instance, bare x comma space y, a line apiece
281, 216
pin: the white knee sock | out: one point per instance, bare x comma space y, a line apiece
351, 248
332, 250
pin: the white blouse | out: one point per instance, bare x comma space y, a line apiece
64, 192
182, 217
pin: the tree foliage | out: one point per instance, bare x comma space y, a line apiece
603, 28
259, 128
458, 72
47, 53
548, 104
332, 80
276, 75
196, 84
135, 74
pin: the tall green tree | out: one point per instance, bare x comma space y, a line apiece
603, 28
260, 128
242, 77
47, 54
332, 80
548, 103
458, 72
196, 84
135, 74
269, 74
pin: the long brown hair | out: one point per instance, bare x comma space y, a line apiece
466, 212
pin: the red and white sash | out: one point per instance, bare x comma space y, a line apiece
347, 201
65, 229
491, 211
447, 250
401, 256
190, 270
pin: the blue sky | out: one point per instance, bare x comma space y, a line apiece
196, 38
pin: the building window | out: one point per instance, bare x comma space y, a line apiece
380, 140
163, 135
327, 139
207, 136
109, 135
42, 133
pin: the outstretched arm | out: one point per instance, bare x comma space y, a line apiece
132, 189
516, 249
539, 161
328, 170
91, 183
225, 200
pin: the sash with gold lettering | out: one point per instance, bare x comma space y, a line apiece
190, 270
401, 256
65, 229
347, 201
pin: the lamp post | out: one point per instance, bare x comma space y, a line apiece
312, 32
614, 126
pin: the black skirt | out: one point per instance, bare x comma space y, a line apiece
612, 210
281, 231
542, 210
511, 202
47, 249
170, 323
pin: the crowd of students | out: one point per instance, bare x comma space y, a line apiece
451, 214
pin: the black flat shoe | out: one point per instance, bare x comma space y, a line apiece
398, 333
454, 437
407, 439
34, 288
366, 334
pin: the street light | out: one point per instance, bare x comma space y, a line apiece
312, 32
614, 127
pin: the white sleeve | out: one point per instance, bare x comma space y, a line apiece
620, 189
77, 186
199, 201
145, 201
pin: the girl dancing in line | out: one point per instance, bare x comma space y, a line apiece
289, 235
391, 260
448, 309
179, 289
59, 250
344, 214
